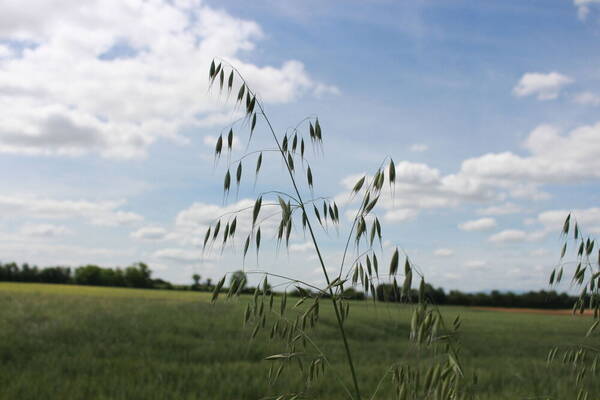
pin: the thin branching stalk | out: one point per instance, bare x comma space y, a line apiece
321, 262
425, 322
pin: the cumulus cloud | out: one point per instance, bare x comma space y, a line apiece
419, 186
552, 157
588, 219
543, 86
112, 77
517, 235
104, 213
549, 222
149, 233
443, 252
481, 224
191, 223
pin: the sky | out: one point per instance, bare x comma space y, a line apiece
490, 111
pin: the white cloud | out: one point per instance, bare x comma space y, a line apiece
5, 51
44, 230
191, 223
205, 213
509, 235
321, 89
502, 209
419, 186
106, 213
583, 7
516, 235
419, 147
443, 252
137, 71
551, 222
476, 264
400, 215
554, 158
481, 224
301, 247
587, 99
588, 219
416, 173
149, 233
544, 86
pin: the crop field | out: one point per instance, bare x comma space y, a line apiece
75, 342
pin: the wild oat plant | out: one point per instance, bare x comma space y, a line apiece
581, 358
290, 324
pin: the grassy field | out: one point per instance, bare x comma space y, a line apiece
73, 342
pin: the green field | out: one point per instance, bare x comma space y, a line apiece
74, 342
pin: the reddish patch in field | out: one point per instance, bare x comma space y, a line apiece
531, 310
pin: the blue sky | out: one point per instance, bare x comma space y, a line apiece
489, 109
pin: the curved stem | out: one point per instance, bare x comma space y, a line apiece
336, 306
292, 280
318, 250
233, 162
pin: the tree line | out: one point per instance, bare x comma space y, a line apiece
139, 275
532, 299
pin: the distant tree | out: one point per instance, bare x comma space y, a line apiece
161, 284
9, 272
238, 277
208, 283
29, 273
55, 275
138, 275
196, 279
108, 277
88, 275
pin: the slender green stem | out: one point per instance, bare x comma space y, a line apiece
314, 240
291, 280
317, 249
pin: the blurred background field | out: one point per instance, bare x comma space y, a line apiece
77, 342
